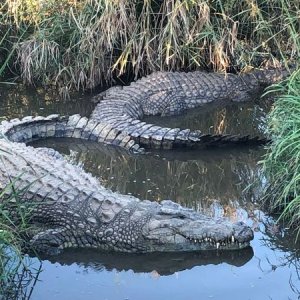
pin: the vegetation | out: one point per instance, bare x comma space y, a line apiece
282, 162
17, 274
78, 44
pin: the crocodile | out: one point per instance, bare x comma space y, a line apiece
69, 208
171, 93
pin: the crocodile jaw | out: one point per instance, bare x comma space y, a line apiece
194, 233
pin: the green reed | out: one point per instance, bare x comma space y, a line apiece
282, 161
74, 44
18, 275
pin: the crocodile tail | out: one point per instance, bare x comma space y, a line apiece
133, 136
33, 128
155, 137
219, 140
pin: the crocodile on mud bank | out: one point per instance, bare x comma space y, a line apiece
71, 208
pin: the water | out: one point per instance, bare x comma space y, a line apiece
219, 182
18, 100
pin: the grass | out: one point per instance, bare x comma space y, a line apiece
79, 44
282, 161
18, 274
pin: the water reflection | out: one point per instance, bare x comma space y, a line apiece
233, 118
217, 182
20, 101
161, 263
18, 274
283, 240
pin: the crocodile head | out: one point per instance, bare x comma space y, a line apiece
270, 76
138, 226
174, 228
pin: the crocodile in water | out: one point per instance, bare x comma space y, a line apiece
71, 209
171, 93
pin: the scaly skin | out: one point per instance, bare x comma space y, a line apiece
71, 209
171, 93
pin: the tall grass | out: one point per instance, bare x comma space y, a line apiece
18, 275
76, 44
282, 161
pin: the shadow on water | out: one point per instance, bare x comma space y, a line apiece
162, 263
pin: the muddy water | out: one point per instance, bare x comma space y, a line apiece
219, 182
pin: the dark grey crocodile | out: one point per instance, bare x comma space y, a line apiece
170, 93
71, 209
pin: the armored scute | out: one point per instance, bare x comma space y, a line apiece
71, 209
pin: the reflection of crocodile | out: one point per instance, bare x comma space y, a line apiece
183, 176
162, 263
74, 210
167, 93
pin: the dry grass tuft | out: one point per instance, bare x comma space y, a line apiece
80, 44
